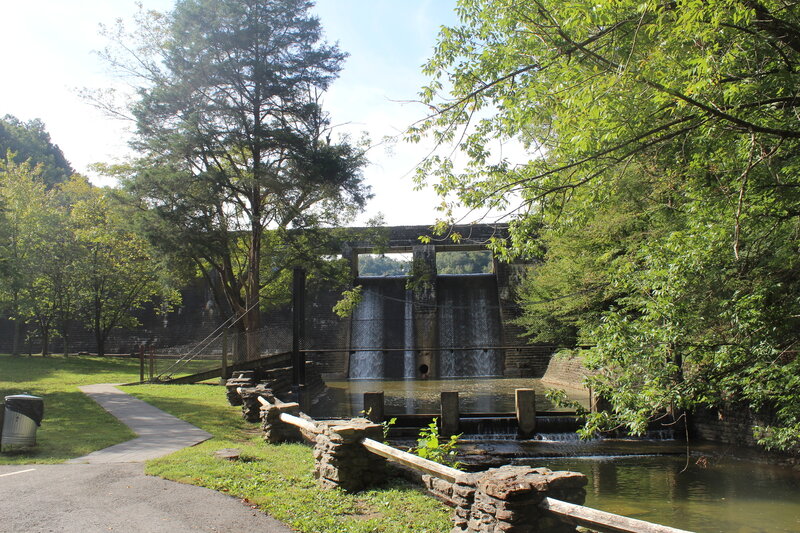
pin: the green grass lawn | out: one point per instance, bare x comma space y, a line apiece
73, 424
279, 479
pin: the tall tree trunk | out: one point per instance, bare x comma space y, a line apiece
45, 341
239, 345
98, 331
16, 343
252, 318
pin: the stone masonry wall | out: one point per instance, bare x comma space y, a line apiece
340, 460
729, 424
565, 371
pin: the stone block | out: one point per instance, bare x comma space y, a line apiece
561, 480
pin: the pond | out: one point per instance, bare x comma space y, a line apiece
706, 494
412, 396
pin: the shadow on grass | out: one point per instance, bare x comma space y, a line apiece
60, 370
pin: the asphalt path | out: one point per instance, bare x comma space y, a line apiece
88, 498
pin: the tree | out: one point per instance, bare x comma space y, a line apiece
25, 220
29, 141
659, 184
233, 138
117, 271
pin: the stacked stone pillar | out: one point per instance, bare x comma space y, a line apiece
251, 407
506, 500
242, 378
276, 430
339, 458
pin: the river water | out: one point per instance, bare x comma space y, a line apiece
710, 489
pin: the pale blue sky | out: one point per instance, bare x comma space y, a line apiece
48, 56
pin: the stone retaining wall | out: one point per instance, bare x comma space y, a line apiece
565, 371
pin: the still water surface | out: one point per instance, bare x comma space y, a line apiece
718, 495
422, 396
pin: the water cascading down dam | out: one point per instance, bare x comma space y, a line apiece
446, 326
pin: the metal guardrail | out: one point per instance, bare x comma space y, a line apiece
571, 513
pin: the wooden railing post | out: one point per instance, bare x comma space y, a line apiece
141, 363
373, 406
225, 375
525, 401
450, 422
152, 363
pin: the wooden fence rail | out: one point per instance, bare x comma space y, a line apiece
600, 520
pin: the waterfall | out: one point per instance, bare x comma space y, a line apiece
409, 361
367, 334
383, 335
469, 326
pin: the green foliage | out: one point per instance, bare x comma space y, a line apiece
350, 300
653, 173
387, 426
383, 265
474, 262
118, 271
69, 257
422, 277
30, 142
430, 446
559, 398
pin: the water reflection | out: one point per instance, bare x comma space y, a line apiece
720, 495
422, 396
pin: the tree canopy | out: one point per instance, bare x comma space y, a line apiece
29, 141
68, 256
233, 138
658, 182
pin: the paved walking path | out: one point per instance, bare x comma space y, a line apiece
113, 493
159, 433
118, 498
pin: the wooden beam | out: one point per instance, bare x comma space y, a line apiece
298, 422
410, 460
600, 520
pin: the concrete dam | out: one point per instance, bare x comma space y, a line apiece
430, 322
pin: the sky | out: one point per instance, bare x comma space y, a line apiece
50, 55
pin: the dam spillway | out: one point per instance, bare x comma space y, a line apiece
460, 337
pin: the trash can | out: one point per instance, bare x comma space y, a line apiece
22, 415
